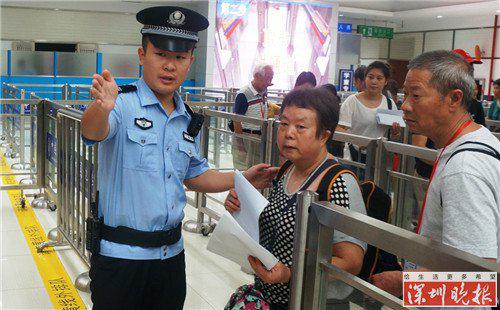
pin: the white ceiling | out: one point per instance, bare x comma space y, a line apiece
402, 5
114, 6
386, 10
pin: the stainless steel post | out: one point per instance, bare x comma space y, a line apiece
371, 150
319, 250
41, 145
380, 176
267, 142
64, 92
304, 200
22, 131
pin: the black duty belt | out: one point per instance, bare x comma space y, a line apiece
257, 132
145, 239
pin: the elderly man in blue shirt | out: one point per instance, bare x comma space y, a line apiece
148, 149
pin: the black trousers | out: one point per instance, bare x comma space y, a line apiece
138, 284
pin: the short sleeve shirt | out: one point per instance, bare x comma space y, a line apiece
142, 170
463, 200
360, 119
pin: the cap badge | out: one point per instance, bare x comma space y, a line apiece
176, 18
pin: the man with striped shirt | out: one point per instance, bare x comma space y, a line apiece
251, 101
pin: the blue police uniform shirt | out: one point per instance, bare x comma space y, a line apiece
141, 171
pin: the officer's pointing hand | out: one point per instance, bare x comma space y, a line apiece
104, 90
261, 175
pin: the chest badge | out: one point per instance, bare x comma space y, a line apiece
143, 123
187, 137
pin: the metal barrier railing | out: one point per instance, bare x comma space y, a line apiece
364, 143
76, 188
210, 140
268, 153
11, 127
64, 170
82, 92
404, 182
14, 133
314, 228
493, 125
229, 94
54, 91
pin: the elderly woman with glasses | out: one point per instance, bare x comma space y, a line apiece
308, 119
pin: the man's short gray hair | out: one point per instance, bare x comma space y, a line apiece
449, 71
260, 69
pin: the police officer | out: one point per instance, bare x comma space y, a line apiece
148, 148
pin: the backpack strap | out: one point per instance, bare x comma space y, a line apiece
291, 201
389, 102
389, 106
283, 169
326, 165
494, 153
367, 194
326, 183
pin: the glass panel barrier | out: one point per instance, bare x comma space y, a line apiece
32, 63
3, 58
121, 65
76, 64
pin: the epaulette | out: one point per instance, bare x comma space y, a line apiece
122, 89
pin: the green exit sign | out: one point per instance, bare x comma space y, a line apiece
376, 32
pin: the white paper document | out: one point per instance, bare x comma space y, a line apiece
387, 117
232, 242
251, 205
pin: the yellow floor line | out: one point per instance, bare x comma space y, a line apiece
59, 287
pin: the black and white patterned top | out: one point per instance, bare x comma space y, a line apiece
275, 217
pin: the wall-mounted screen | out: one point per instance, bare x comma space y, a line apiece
293, 37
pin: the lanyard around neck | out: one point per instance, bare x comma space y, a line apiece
455, 135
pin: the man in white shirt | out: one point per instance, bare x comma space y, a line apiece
462, 206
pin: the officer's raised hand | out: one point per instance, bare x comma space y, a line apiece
95, 119
104, 90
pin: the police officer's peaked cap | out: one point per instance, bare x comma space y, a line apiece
172, 28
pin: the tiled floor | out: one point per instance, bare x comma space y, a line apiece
211, 279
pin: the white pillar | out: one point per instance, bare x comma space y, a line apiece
332, 67
206, 46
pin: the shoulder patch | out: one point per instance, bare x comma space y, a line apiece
126, 88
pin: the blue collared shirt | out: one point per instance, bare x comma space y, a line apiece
141, 171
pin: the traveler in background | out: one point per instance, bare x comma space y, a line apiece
332, 89
462, 204
306, 79
358, 111
474, 106
359, 78
476, 109
336, 148
494, 111
479, 94
251, 101
391, 91
308, 119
